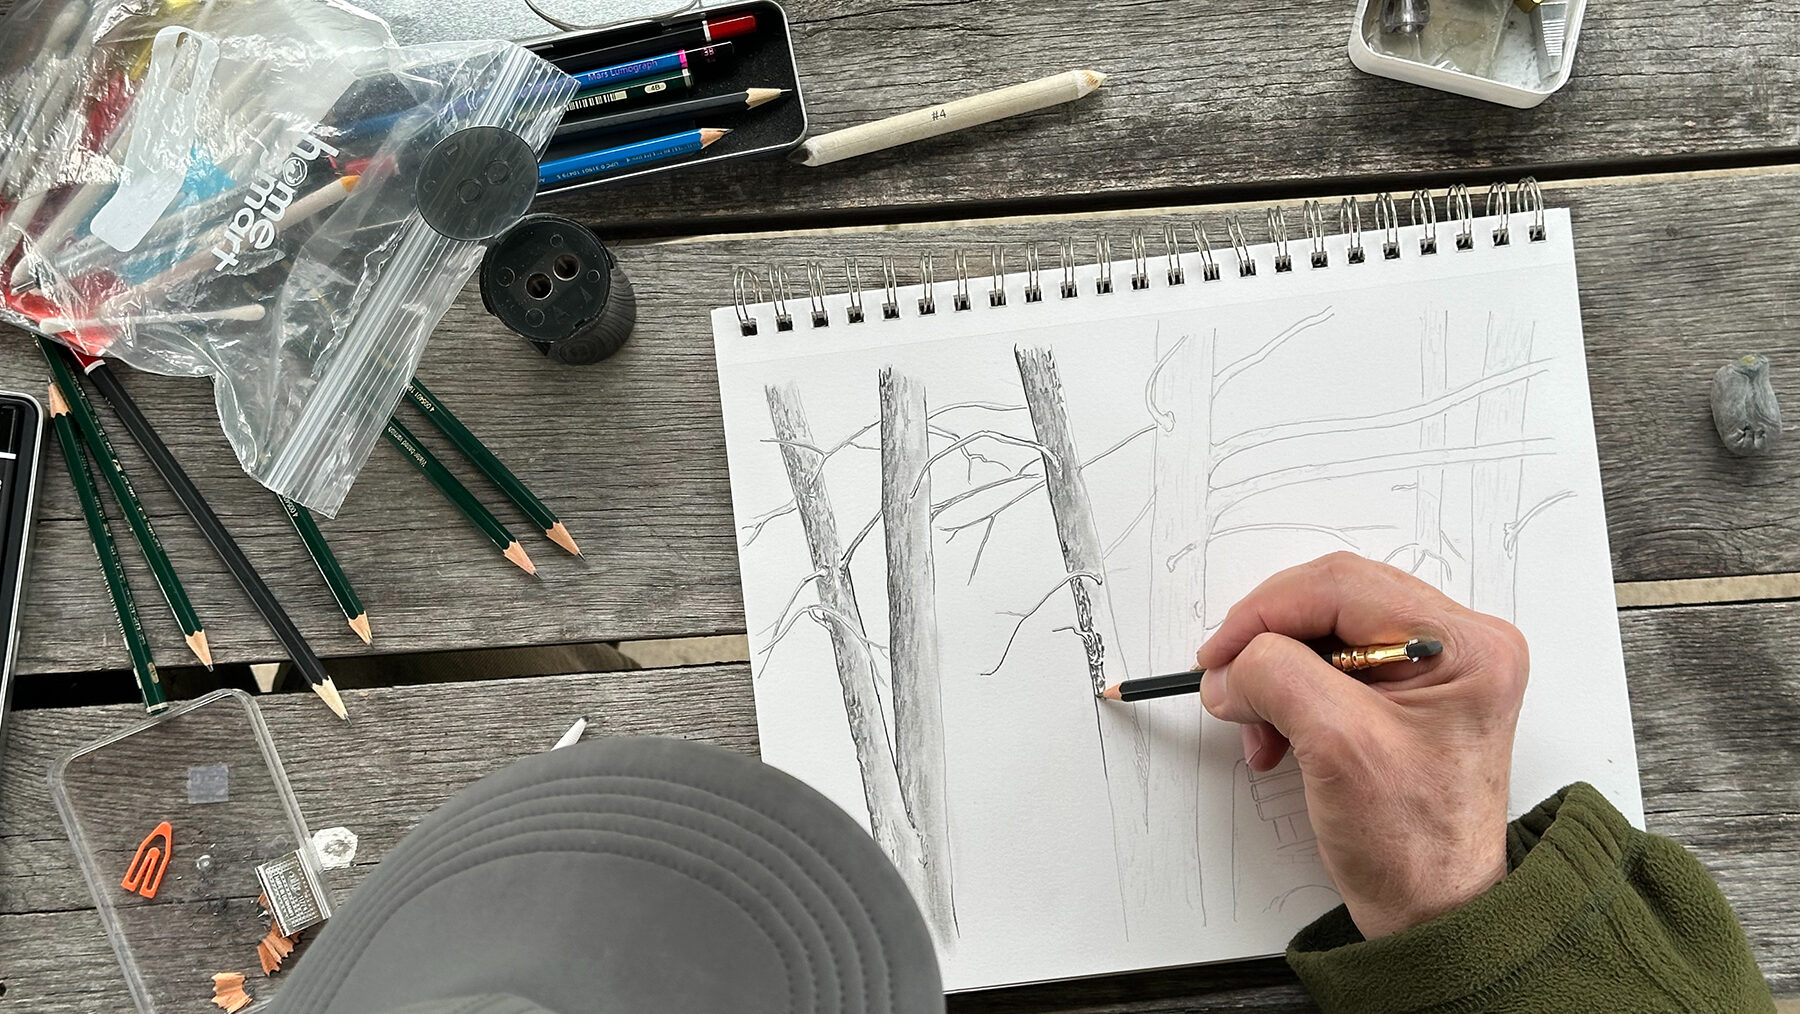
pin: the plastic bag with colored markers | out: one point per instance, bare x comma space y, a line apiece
230, 188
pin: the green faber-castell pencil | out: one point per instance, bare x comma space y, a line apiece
491, 466
142, 665
101, 449
458, 494
326, 561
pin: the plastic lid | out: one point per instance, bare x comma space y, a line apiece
421, 21
477, 182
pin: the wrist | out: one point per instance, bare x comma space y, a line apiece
1450, 888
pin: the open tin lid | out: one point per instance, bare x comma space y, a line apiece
416, 22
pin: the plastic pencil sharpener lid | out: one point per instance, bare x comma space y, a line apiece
476, 183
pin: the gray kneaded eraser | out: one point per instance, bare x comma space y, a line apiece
1744, 408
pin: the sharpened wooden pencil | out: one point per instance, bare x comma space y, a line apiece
459, 495
101, 450
324, 559
143, 666
492, 467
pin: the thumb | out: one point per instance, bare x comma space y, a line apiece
1280, 681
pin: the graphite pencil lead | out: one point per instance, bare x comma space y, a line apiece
202, 650
560, 535
328, 692
360, 624
516, 553
1112, 693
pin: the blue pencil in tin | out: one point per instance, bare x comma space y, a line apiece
659, 149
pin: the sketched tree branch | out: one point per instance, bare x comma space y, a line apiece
1029, 613
1232, 370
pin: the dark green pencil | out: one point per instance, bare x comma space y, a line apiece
101, 449
491, 466
142, 665
458, 494
326, 561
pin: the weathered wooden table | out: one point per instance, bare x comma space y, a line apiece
1673, 145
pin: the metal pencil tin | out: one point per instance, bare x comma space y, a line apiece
765, 60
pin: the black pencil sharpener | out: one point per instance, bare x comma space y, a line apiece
551, 280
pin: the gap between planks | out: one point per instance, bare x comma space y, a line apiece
1178, 210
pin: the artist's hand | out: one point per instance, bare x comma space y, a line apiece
1406, 773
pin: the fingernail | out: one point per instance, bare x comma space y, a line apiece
1212, 690
1252, 743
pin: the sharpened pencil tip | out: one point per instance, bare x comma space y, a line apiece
202, 650
1112, 693
516, 553
328, 692
58, 406
761, 96
710, 134
360, 624
1091, 80
560, 535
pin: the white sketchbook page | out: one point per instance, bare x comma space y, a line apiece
1064, 862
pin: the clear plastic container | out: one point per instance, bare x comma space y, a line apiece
209, 769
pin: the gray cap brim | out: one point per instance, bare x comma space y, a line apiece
628, 875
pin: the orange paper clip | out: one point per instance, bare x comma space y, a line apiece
145, 873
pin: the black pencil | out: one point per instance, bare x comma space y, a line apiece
750, 98
1346, 659
213, 529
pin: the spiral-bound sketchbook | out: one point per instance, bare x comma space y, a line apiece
964, 504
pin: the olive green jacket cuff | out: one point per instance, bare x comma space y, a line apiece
1594, 915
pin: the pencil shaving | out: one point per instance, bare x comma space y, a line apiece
273, 949
228, 992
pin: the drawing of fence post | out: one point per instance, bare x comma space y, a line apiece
915, 661
1179, 397
1123, 745
1428, 512
1495, 485
843, 621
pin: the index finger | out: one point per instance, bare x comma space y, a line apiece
1357, 600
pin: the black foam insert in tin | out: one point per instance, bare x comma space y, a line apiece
765, 60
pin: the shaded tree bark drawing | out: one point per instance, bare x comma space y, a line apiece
888, 819
1179, 397
1124, 744
916, 662
1495, 485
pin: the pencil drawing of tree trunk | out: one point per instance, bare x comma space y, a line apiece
1495, 485
1429, 560
1123, 742
915, 659
1179, 396
842, 621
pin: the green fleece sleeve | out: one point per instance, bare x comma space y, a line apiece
1595, 916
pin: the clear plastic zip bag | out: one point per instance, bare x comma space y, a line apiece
230, 188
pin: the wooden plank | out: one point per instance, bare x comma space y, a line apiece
1714, 741
1679, 274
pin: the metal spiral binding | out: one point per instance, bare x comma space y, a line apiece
1424, 212
1531, 198
1209, 268
1314, 213
1525, 197
779, 294
890, 307
1278, 232
853, 277
743, 279
1034, 292
1458, 206
1499, 197
1387, 221
1350, 223
1234, 229
815, 285
1140, 261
